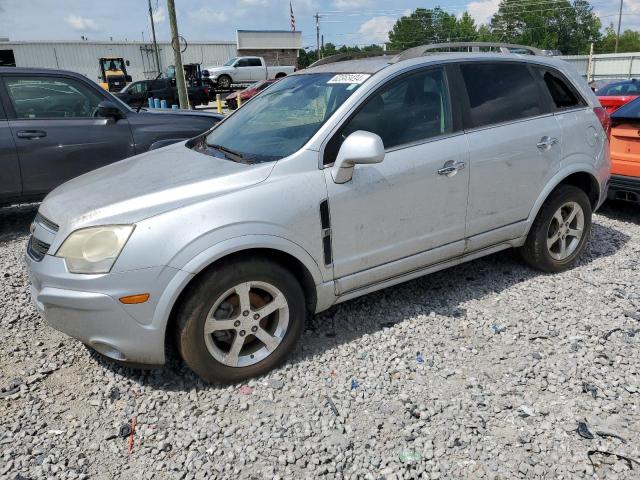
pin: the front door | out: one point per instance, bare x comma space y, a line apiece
57, 133
409, 211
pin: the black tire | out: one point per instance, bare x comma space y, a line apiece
201, 298
224, 82
535, 251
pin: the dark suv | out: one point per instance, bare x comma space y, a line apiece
56, 125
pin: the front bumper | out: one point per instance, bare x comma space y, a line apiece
86, 307
624, 188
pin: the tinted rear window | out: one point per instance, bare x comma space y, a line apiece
562, 94
500, 92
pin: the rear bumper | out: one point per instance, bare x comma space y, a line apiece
624, 188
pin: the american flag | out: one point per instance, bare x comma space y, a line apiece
293, 18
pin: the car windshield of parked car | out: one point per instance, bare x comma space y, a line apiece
630, 110
230, 62
279, 121
627, 88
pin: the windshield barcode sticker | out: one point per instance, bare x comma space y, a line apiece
356, 78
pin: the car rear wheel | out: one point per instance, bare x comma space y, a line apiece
240, 320
224, 82
560, 232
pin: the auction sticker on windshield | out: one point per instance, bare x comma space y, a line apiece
356, 78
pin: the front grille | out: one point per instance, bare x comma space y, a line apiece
45, 222
37, 249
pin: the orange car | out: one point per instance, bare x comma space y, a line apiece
624, 141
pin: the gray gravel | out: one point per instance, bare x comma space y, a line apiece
487, 370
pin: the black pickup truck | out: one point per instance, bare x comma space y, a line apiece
137, 93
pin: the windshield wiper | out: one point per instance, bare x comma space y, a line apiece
233, 155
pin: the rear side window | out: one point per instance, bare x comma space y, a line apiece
500, 92
562, 95
254, 62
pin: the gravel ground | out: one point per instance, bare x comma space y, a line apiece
487, 370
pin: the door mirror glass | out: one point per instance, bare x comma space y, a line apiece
358, 148
107, 109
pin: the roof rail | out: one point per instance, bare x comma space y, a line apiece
343, 57
435, 48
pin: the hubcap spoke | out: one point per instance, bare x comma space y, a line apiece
572, 213
265, 337
574, 232
276, 304
213, 325
563, 248
558, 217
234, 352
553, 239
243, 297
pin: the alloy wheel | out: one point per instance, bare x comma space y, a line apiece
565, 231
246, 324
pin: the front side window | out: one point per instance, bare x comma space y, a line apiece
279, 121
411, 109
500, 92
562, 95
51, 97
243, 62
138, 88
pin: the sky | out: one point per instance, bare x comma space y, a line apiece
350, 22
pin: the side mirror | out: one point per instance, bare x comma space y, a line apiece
358, 148
107, 109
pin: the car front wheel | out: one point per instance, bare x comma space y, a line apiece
240, 320
560, 231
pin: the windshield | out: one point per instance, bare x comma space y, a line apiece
629, 110
279, 121
230, 62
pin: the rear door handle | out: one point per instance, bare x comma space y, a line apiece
450, 168
546, 143
31, 134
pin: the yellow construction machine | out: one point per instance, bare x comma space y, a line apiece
113, 73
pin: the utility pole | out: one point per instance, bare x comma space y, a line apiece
155, 44
619, 21
317, 17
177, 55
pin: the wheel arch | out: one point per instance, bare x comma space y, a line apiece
285, 253
582, 177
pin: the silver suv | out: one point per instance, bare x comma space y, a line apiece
336, 181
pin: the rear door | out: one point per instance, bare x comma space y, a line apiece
58, 135
258, 71
10, 183
515, 148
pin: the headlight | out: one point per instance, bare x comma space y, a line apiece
94, 249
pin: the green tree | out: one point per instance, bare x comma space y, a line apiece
430, 26
629, 41
465, 29
549, 24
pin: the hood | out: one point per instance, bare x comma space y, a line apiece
218, 69
146, 185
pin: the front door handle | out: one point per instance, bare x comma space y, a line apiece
546, 143
31, 134
450, 168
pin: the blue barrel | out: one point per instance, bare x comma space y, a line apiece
156, 103
163, 104
150, 102
174, 106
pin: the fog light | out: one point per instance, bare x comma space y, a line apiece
133, 299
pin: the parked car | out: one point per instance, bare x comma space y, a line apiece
625, 153
231, 100
138, 93
346, 178
245, 70
613, 95
56, 125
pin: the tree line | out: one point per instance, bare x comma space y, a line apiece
562, 25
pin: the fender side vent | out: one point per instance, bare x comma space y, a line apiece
325, 222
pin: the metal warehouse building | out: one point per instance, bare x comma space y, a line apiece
278, 48
82, 57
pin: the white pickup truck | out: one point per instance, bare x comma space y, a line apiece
245, 70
